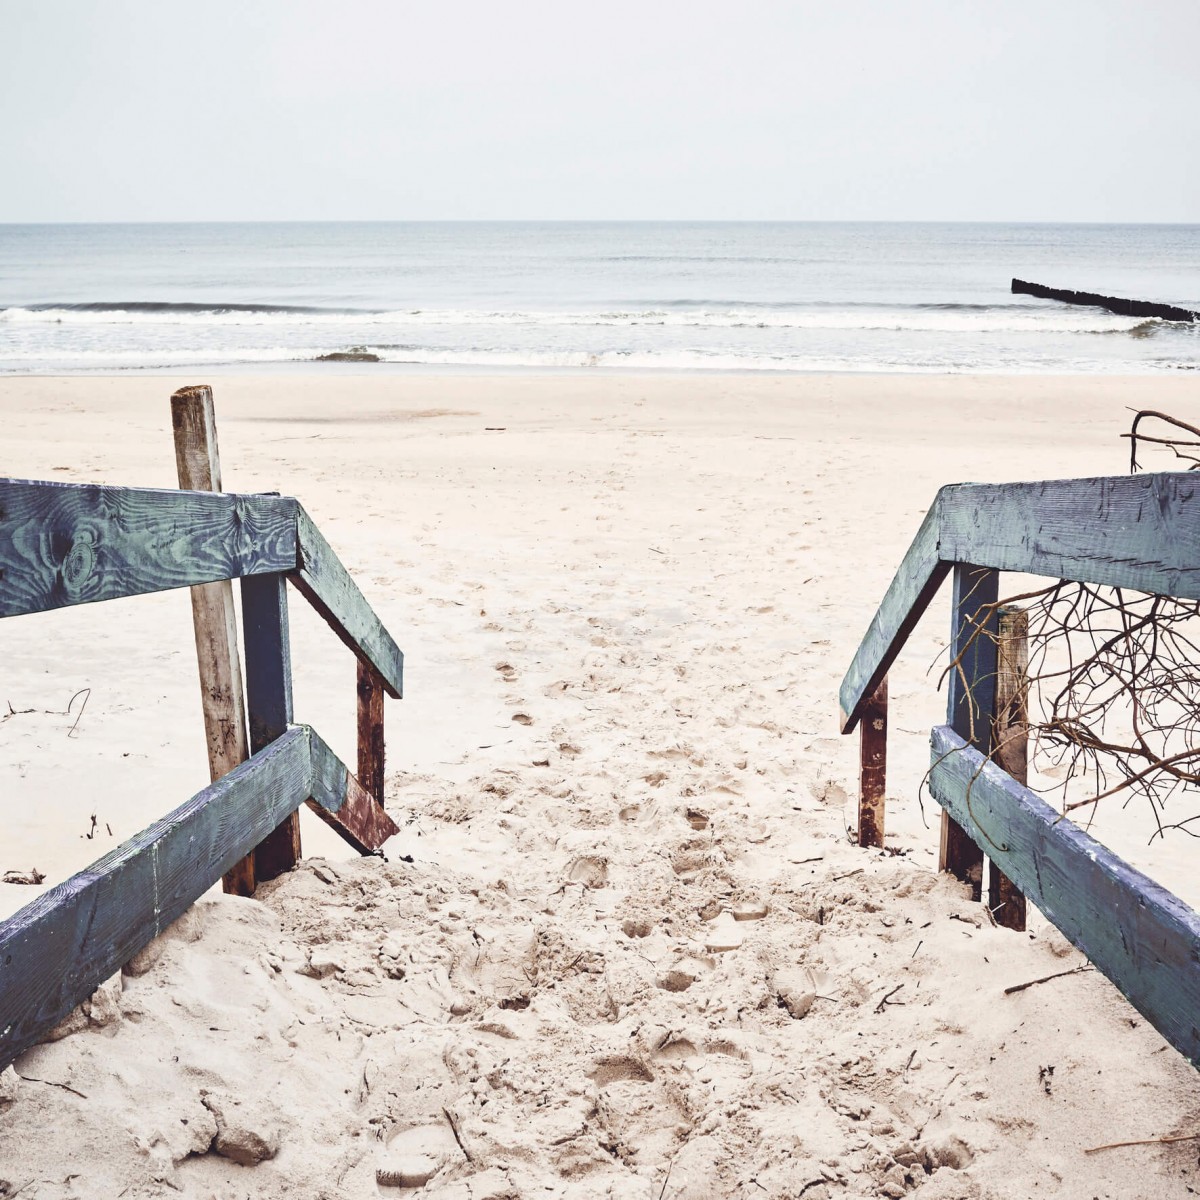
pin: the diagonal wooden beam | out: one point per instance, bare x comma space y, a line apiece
329, 588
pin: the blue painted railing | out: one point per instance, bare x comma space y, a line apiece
1140, 532
64, 544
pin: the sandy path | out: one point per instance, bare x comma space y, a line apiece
625, 612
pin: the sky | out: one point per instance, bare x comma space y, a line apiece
157, 110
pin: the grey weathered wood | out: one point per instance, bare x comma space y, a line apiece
1144, 939
1134, 531
63, 543
1010, 744
915, 584
970, 700
269, 701
872, 768
56, 950
344, 804
328, 587
214, 621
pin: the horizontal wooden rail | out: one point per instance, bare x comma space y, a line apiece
70, 543
1141, 936
1133, 531
64, 543
328, 587
56, 950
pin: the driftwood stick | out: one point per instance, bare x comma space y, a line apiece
1020, 987
1158, 1141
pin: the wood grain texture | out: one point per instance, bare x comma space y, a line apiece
328, 587
912, 588
64, 543
214, 620
269, 701
1010, 745
1144, 939
371, 763
343, 804
58, 949
1135, 531
872, 768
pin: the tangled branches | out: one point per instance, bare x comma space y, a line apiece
1181, 447
1113, 698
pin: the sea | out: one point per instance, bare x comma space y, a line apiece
690, 296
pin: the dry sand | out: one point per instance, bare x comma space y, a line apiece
634, 954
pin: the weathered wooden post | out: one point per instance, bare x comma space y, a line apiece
1011, 741
198, 462
370, 730
872, 767
971, 700
269, 701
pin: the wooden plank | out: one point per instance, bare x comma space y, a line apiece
1143, 938
269, 701
343, 804
214, 621
912, 588
370, 730
328, 587
1010, 745
872, 774
59, 948
1134, 531
970, 700
64, 543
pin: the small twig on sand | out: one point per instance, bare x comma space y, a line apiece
454, 1130
888, 998
66, 1087
1020, 987
667, 1180
1158, 1141
848, 874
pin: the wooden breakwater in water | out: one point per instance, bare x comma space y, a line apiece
1114, 304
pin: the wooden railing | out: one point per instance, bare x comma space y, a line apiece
65, 544
1140, 532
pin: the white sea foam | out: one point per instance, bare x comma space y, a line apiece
1000, 319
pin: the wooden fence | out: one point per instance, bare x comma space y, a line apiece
64, 544
1140, 532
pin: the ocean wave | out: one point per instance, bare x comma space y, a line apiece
483, 358
925, 318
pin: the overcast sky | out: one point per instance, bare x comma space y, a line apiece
147, 110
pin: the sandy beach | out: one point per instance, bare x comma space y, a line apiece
634, 954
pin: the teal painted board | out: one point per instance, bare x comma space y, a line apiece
1146, 940
913, 587
56, 950
1134, 531
63, 544
328, 587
